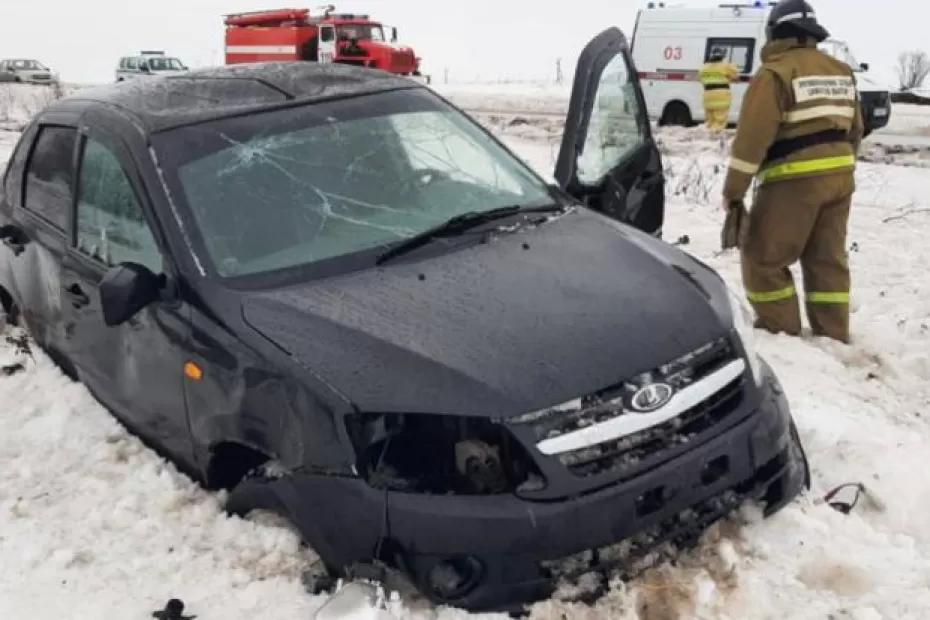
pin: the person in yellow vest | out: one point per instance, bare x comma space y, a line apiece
716, 77
799, 132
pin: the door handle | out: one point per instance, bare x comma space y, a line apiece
13, 238
15, 247
79, 298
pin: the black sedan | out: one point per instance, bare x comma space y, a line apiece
328, 290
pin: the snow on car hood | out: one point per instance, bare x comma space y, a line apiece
528, 320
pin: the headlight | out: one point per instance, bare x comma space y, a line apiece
743, 324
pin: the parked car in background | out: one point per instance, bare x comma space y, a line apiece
148, 64
873, 96
26, 71
333, 293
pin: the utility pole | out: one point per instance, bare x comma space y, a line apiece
445, 74
558, 71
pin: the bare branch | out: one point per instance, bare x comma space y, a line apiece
904, 215
913, 69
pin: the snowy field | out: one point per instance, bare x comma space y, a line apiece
94, 525
909, 124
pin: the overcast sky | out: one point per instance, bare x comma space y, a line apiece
473, 39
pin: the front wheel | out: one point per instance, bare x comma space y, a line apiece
257, 492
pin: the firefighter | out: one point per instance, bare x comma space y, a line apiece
716, 76
799, 132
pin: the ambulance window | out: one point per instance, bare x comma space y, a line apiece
738, 51
615, 129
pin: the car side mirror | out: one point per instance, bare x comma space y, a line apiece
864, 66
394, 34
125, 290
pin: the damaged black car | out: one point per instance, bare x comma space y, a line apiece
331, 292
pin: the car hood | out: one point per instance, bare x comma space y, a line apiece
867, 82
528, 320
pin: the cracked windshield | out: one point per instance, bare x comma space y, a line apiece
317, 182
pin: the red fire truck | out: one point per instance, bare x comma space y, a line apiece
295, 34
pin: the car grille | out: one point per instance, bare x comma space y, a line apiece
708, 383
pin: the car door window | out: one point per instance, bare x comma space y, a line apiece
614, 130
49, 175
736, 51
110, 224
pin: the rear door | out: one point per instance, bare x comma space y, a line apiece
36, 237
609, 158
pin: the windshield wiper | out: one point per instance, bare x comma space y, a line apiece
457, 225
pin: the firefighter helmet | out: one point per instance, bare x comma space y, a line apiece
794, 18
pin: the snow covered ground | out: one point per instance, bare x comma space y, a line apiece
94, 525
909, 119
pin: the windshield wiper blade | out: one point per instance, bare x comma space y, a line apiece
457, 225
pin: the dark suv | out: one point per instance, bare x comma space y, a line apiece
328, 290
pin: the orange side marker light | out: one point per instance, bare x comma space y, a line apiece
193, 372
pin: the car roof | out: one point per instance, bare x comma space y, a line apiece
162, 103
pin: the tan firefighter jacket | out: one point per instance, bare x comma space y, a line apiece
800, 118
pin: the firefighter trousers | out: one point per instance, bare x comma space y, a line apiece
717, 108
800, 219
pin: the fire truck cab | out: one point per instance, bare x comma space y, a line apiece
295, 34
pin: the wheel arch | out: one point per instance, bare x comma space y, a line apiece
231, 460
670, 106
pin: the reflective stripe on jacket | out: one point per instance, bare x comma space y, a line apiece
718, 74
798, 91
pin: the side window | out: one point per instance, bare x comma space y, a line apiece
15, 167
110, 223
327, 34
737, 51
49, 176
615, 130
132, 63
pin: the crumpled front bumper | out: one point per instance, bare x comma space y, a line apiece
513, 540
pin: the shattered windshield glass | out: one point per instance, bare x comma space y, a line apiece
292, 187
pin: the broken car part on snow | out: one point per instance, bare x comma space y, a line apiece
511, 394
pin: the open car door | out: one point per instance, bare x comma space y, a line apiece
608, 158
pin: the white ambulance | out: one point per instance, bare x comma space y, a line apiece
671, 44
